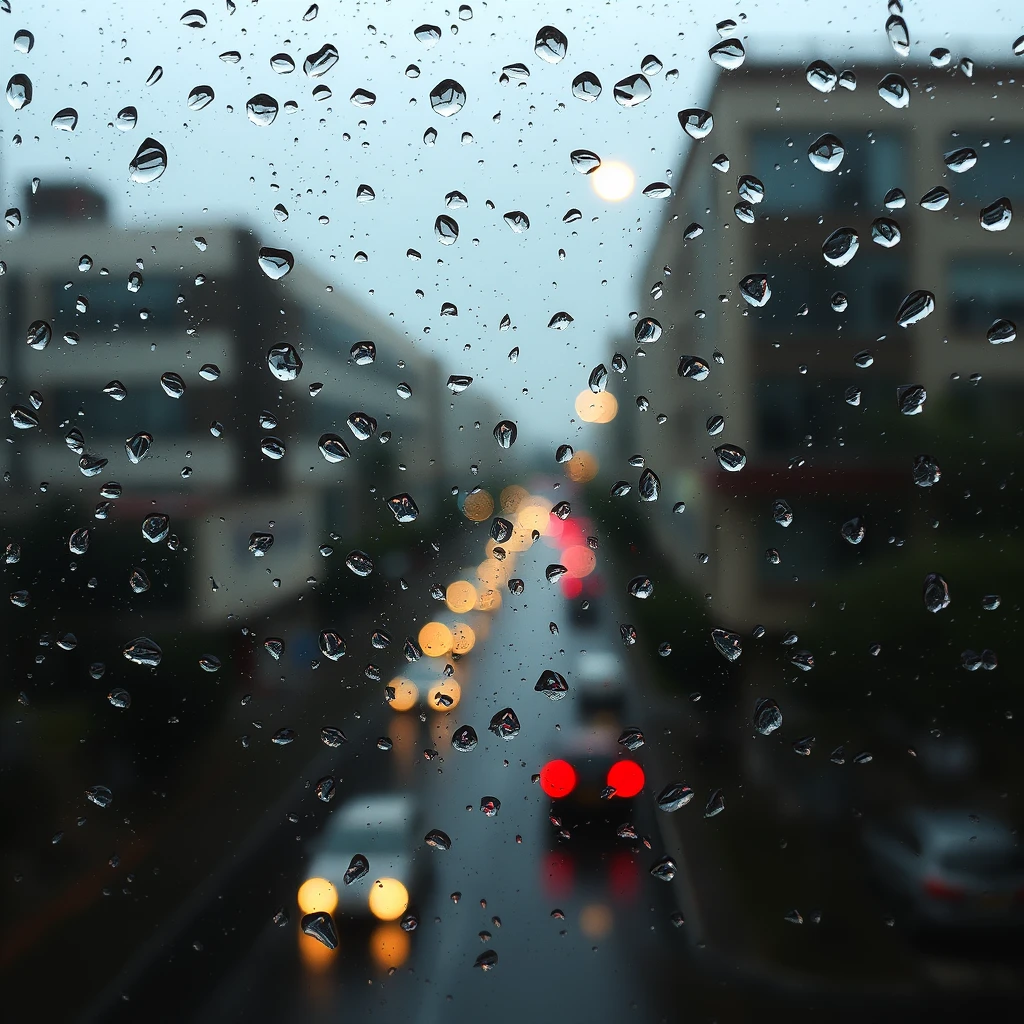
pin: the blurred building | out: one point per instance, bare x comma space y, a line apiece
128, 306
784, 374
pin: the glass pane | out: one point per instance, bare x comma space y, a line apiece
510, 512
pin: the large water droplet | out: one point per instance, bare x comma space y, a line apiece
632, 90
586, 86
894, 90
65, 120
22, 418
551, 44
137, 446
446, 229
767, 716
552, 684
403, 508
899, 36
316, 65
505, 433
357, 867
997, 216
24, 41
934, 199
729, 644
911, 398
143, 651
101, 796
885, 232
674, 796
731, 457
126, 119
649, 485
438, 840
320, 925
149, 162
755, 289
505, 724
826, 152
936, 592
915, 307
262, 109
840, 247
696, 122
19, 91
447, 97
199, 97
728, 54
1001, 332
585, 161
821, 76
155, 527
359, 562
853, 531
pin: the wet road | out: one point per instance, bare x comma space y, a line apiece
578, 928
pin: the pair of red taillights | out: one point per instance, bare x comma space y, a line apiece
558, 779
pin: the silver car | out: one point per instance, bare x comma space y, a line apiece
950, 870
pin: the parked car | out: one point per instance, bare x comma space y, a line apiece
949, 870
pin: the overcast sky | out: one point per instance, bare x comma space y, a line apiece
97, 57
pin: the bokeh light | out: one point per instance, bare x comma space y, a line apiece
490, 600
581, 468
534, 515
315, 956
461, 596
444, 695
512, 497
389, 946
579, 560
600, 408
596, 920
388, 899
435, 639
406, 693
478, 506
463, 638
626, 778
557, 778
317, 894
613, 181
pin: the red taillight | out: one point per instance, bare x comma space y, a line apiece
940, 890
557, 778
626, 778
571, 587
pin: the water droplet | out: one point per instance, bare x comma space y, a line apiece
120, 698
517, 221
934, 199
826, 152
730, 645
926, 471
487, 960
640, 587
665, 869
940, 57
911, 398
199, 97
853, 531
895, 199
782, 513
22, 418
885, 232
728, 54
552, 684
149, 162
631, 738
143, 651
333, 448
316, 65
649, 485
272, 448
403, 508
126, 119
693, 368
438, 840
284, 362
632, 90
731, 457
155, 527
899, 36
767, 716
446, 229
320, 925
359, 562
586, 86
715, 804
821, 76
997, 215
936, 592
19, 91
428, 35
137, 446
1001, 332
362, 425
65, 120
585, 161
915, 307
696, 122
260, 544
447, 97
505, 433
78, 542
505, 724
101, 796
840, 247
894, 90
960, 160
755, 289
326, 788
275, 263
551, 45
357, 867
39, 335
23, 41
489, 806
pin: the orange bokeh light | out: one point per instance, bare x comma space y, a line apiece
478, 506
444, 695
581, 468
406, 693
600, 408
389, 946
512, 497
463, 638
435, 639
461, 596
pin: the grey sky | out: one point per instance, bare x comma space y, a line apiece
222, 167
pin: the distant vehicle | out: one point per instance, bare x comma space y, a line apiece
600, 684
592, 780
382, 828
950, 870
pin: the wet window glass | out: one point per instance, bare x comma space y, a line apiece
511, 512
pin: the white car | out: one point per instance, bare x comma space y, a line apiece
380, 827
950, 870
